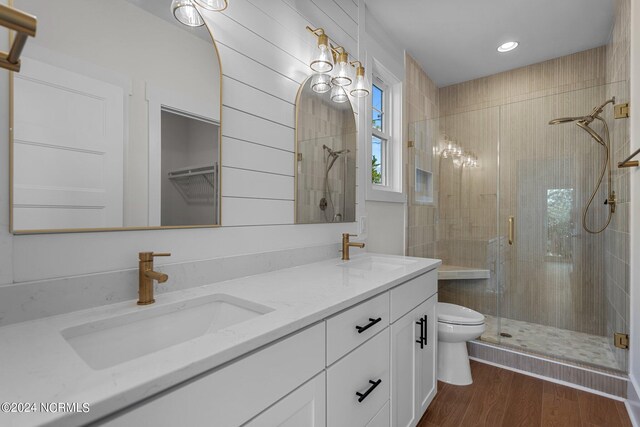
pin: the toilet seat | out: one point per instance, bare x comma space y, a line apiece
458, 315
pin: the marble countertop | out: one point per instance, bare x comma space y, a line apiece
38, 365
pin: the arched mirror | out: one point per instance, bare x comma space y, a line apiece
115, 119
325, 156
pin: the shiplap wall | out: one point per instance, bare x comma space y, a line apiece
264, 50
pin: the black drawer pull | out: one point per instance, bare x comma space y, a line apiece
421, 340
372, 322
426, 330
363, 396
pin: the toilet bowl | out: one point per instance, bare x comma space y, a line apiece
456, 326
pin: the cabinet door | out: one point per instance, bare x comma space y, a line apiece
404, 349
426, 358
413, 367
305, 407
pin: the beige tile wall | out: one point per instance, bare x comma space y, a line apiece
421, 110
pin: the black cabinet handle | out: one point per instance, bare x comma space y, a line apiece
421, 340
426, 330
372, 322
363, 396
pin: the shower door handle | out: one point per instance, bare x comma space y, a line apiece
511, 229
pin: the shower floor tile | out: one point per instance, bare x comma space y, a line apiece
554, 342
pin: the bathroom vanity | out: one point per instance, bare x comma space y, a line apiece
333, 343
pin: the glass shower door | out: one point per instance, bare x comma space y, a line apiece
553, 280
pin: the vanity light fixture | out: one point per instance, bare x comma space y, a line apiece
508, 46
321, 83
323, 61
333, 58
186, 12
341, 77
214, 5
361, 88
339, 95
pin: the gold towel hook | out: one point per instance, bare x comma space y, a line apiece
25, 26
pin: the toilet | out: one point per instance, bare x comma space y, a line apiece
456, 326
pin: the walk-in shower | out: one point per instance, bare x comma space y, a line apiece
557, 290
584, 122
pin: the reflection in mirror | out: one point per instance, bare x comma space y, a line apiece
325, 157
116, 119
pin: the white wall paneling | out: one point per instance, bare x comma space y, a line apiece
246, 127
246, 155
259, 185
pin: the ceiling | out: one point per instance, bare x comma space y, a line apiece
456, 40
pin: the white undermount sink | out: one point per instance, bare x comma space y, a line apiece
376, 264
108, 342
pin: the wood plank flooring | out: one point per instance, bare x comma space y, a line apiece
502, 398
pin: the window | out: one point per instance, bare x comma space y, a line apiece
384, 140
379, 136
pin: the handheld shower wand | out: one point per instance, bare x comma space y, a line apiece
583, 122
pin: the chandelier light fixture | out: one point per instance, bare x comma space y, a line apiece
338, 94
323, 60
321, 83
341, 76
452, 150
361, 88
187, 14
333, 70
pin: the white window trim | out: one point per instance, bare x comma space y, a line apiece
393, 191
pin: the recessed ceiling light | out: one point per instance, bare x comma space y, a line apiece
507, 47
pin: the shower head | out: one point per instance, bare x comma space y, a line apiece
584, 119
569, 120
335, 154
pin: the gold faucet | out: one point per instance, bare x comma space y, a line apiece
346, 244
147, 276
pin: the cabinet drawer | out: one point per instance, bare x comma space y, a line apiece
234, 394
358, 373
409, 295
354, 326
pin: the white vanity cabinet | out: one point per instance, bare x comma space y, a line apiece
234, 394
305, 407
370, 365
414, 338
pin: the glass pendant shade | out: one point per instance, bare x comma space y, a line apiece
341, 77
339, 95
323, 62
361, 88
321, 83
186, 13
215, 5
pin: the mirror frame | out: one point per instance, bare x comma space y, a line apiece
297, 152
105, 229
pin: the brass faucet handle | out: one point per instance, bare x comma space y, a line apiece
148, 256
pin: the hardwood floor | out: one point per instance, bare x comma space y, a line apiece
499, 397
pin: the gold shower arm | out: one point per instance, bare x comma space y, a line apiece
25, 26
628, 163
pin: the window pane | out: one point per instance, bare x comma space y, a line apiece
377, 120
377, 98
377, 160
